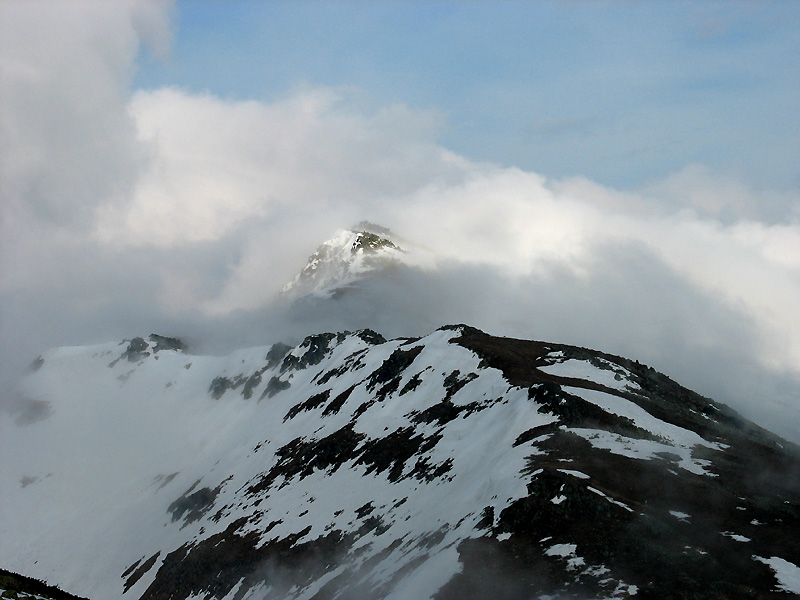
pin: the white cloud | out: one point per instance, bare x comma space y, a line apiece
214, 163
67, 140
723, 198
201, 208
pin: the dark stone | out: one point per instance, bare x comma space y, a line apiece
364, 510
166, 343
130, 569
535, 432
371, 337
487, 518
136, 351
252, 383
310, 404
212, 567
337, 403
453, 383
14, 583
274, 386
276, 353
574, 411
219, 385
444, 412
391, 453
317, 345
137, 574
351, 363
193, 505
411, 384
370, 242
301, 457
393, 366
425, 471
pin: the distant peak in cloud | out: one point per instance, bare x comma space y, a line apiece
345, 259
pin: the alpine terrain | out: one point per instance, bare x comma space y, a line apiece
455, 465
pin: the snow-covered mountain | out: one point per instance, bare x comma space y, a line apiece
456, 465
14, 586
350, 256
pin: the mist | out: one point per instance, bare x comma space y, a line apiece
126, 212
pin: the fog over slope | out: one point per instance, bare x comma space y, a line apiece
458, 465
128, 212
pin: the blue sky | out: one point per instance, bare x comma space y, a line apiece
620, 92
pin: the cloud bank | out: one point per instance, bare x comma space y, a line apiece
126, 212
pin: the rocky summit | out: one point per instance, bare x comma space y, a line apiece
452, 466
345, 259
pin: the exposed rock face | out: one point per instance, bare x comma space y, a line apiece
138, 348
454, 466
162, 342
18, 587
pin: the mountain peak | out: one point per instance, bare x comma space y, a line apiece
457, 465
350, 255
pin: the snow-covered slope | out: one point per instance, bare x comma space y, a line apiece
457, 465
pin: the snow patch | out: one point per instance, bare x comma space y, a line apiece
577, 474
643, 449
787, 574
562, 550
609, 375
681, 516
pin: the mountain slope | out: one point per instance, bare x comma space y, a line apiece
18, 587
457, 465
